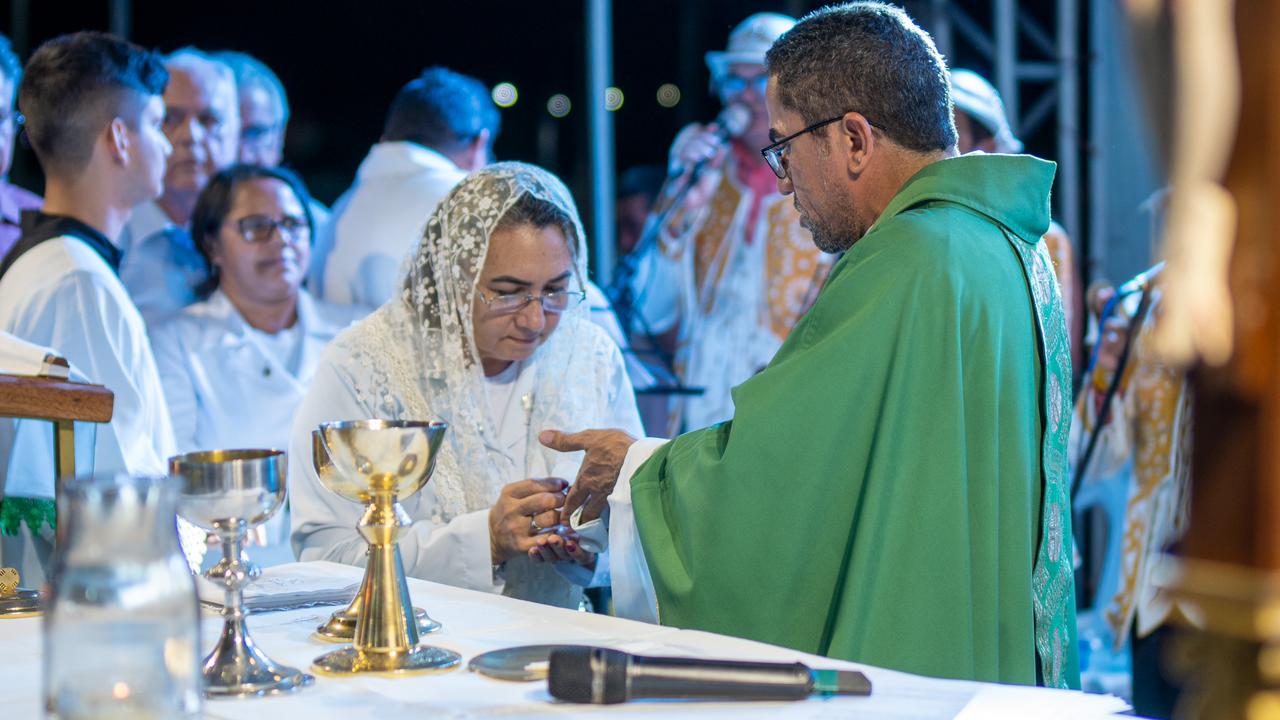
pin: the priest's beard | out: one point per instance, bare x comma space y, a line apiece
839, 230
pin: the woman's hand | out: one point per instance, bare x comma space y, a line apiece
553, 547
522, 510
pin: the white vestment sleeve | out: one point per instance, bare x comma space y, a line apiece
324, 525
620, 413
633, 594
179, 391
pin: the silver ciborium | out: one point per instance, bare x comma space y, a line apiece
227, 492
341, 625
375, 463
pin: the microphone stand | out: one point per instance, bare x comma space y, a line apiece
621, 293
1113, 387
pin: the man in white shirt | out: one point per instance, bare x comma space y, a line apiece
440, 127
94, 115
161, 266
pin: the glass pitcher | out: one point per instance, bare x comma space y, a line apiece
121, 633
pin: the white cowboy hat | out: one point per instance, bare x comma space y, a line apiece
749, 41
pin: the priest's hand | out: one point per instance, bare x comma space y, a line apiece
553, 547
606, 451
521, 510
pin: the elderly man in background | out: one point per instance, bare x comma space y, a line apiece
161, 266
264, 121
264, 109
982, 124
441, 126
13, 199
731, 270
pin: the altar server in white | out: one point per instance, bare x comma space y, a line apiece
489, 334
93, 117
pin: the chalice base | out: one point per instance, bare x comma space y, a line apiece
236, 668
420, 660
23, 603
341, 626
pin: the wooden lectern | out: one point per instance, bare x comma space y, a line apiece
62, 403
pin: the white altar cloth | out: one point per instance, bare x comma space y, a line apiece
475, 622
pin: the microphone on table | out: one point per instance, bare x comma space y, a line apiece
604, 676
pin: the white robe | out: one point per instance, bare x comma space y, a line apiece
378, 221
225, 387
62, 294
452, 550
616, 532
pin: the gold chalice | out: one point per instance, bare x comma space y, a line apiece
377, 462
341, 625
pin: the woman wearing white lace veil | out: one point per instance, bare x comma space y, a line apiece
489, 335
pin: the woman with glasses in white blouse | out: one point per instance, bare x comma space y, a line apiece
236, 364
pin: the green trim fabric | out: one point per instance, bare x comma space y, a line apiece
35, 512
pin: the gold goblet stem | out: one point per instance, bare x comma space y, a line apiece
386, 624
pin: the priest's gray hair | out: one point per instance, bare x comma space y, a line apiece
870, 58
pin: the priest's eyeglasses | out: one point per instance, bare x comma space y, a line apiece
258, 228
556, 301
774, 154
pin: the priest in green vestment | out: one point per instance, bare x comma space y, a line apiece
891, 488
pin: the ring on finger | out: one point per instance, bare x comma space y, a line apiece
533, 523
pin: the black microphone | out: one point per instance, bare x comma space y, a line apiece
604, 676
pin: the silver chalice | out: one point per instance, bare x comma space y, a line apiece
227, 492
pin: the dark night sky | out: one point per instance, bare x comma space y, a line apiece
342, 62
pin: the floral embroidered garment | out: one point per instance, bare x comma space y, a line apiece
1144, 446
892, 487
734, 273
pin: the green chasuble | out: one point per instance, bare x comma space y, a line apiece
892, 487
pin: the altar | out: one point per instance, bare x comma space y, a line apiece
476, 622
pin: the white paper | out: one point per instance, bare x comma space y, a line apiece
284, 587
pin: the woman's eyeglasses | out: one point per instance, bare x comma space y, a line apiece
556, 301
258, 228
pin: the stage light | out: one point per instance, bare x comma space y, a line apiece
559, 105
668, 95
612, 99
505, 95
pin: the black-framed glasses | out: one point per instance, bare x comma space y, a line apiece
258, 228
556, 301
774, 153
